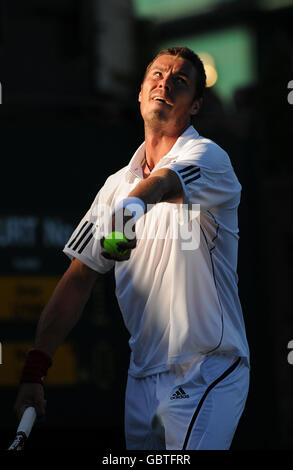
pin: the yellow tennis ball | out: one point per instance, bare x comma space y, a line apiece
110, 243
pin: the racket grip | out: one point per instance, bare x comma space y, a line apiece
27, 421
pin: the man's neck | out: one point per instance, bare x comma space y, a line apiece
158, 143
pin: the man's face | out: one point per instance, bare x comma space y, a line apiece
167, 92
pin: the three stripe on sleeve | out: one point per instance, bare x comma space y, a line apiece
83, 237
190, 173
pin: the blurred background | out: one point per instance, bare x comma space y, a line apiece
70, 73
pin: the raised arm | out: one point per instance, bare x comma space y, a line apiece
161, 185
64, 307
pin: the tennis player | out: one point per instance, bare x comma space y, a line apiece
188, 375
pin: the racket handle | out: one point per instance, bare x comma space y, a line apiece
24, 428
27, 421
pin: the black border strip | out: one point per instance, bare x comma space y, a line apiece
210, 387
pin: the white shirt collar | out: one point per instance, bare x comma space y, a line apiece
185, 137
136, 161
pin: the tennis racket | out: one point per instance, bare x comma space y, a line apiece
24, 429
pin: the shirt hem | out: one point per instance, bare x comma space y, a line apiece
165, 367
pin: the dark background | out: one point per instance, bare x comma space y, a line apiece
67, 122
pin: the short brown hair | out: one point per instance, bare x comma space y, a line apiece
188, 54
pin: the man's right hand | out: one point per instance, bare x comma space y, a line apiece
30, 394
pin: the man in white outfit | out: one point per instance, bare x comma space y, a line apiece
176, 285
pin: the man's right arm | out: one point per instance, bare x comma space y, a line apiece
56, 321
65, 306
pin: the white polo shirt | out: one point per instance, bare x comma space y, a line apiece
179, 300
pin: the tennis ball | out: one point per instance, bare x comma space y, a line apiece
110, 243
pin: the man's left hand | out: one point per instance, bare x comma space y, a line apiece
118, 223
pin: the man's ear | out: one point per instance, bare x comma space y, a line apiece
139, 95
195, 106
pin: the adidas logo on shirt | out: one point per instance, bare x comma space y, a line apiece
179, 394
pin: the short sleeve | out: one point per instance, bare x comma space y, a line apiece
207, 177
84, 242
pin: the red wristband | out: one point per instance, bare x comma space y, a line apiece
36, 366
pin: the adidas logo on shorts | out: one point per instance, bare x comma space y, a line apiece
179, 394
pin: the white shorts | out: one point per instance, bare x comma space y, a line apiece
194, 406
